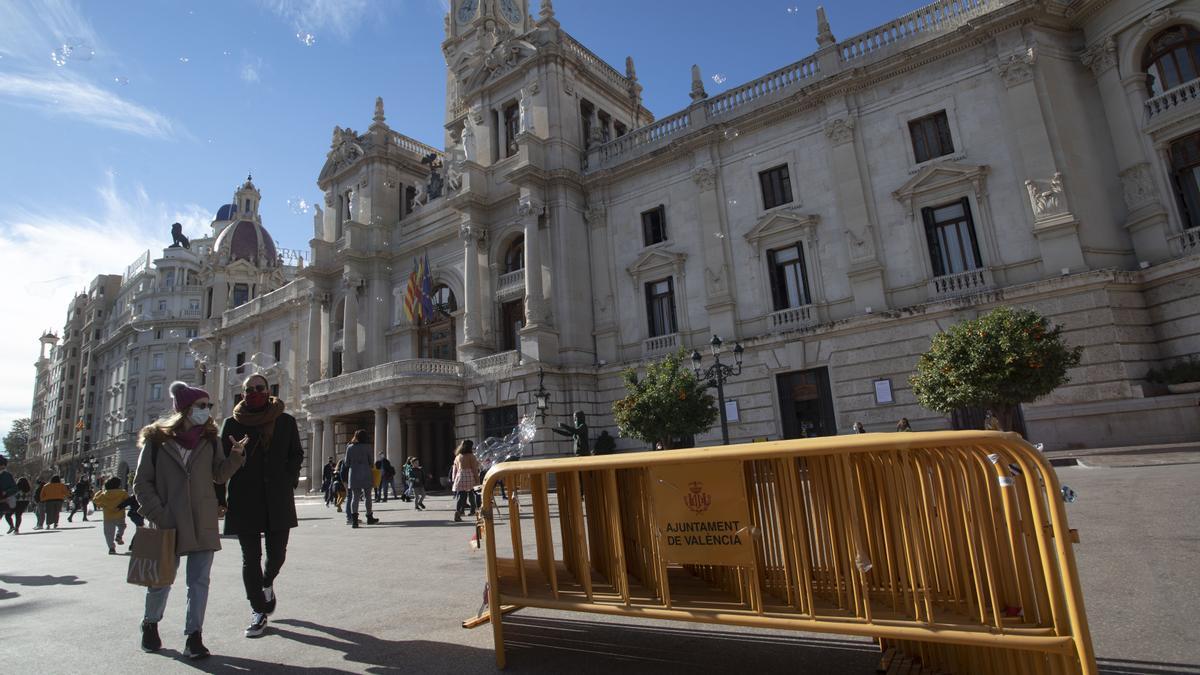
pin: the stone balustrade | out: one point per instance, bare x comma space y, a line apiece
394, 373
1170, 99
918, 25
511, 284
263, 303
792, 318
1187, 242
785, 79
500, 364
660, 344
414, 146
961, 283
594, 63
648, 136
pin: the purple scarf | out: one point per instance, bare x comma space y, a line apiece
191, 438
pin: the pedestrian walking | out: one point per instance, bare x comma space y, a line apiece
23, 497
359, 479
54, 494
417, 480
903, 425
262, 496
39, 507
859, 428
8, 492
387, 479
109, 500
327, 473
178, 464
131, 507
80, 496
464, 478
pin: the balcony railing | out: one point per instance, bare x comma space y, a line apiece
933, 19
390, 373
511, 284
500, 365
651, 134
1173, 98
962, 283
1187, 242
792, 318
262, 303
783, 80
660, 344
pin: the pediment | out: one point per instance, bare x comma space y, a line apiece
657, 259
940, 175
782, 224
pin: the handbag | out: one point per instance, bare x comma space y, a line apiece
152, 557
376, 477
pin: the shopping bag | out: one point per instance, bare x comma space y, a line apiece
152, 557
376, 477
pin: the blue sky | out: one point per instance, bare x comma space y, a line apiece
158, 109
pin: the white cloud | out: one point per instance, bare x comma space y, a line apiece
321, 17
29, 31
46, 257
71, 97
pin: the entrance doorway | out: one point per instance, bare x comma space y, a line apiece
428, 435
806, 404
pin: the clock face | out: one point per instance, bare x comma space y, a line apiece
466, 10
511, 10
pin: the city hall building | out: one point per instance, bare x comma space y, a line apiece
831, 216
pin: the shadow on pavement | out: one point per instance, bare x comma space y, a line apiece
382, 656
219, 663
553, 644
44, 580
6, 594
1128, 667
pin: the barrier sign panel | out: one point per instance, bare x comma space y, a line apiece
701, 513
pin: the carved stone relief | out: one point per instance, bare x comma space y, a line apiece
705, 178
1046, 196
1100, 56
840, 130
1137, 186
1017, 68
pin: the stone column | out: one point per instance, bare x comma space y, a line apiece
315, 348
394, 434
317, 458
350, 327
471, 233
325, 354
381, 421
530, 209
327, 449
412, 443
719, 301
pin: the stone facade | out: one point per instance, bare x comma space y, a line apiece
831, 216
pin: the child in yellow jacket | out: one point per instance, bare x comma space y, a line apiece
109, 500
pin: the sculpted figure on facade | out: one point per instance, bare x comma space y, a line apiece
1017, 68
1047, 197
705, 178
318, 222
840, 130
468, 136
525, 110
1100, 56
1137, 186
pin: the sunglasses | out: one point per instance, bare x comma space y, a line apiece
255, 387
204, 406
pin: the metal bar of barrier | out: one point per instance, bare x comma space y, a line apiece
928, 542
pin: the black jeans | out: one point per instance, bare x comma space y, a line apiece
254, 576
467, 499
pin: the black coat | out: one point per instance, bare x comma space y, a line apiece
261, 497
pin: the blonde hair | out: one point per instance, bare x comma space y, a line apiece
165, 426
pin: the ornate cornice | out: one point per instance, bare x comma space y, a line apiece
1101, 56
528, 206
1157, 18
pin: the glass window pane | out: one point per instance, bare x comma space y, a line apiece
1187, 69
946, 213
791, 276
786, 255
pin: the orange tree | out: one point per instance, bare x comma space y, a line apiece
666, 404
998, 361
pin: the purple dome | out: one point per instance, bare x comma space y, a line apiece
245, 240
227, 212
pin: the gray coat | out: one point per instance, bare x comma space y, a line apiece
360, 459
172, 495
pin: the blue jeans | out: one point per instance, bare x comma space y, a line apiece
199, 565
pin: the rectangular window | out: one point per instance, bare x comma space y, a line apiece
789, 277
133, 366
162, 305
512, 321
930, 136
194, 305
156, 390
410, 196
950, 232
585, 116
189, 361
277, 349
619, 129
156, 362
169, 278
96, 335
1185, 175
241, 361
495, 136
660, 307
499, 422
241, 294
511, 127
157, 333
191, 332
776, 187
654, 225
275, 390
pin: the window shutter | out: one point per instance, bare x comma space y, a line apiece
773, 277
943, 127
807, 299
966, 206
935, 248
672, 327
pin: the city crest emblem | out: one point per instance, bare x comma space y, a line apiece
697, 500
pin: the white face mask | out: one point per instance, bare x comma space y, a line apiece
199, 416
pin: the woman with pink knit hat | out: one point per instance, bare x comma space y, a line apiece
176, 470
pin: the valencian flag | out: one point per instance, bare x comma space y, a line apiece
418, 300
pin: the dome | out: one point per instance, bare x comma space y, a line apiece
246, 240
227, 212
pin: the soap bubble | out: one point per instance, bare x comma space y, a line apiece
298, 206
306, 39
527, 428
719, 235
121, 80
1006, 481
201, 349
184, 59
141, 327
733, 202
719, 78
226, 53
1039, 446
731, 134
862, 562
1068, 494
994, 458
495, 450
793, 10
59, 59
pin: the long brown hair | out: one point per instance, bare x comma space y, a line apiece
171, 423
466, 447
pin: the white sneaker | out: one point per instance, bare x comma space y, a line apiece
258, 623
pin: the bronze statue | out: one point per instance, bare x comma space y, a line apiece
578, 433
177, 238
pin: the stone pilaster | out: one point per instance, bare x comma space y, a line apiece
865, 271
538, 341
394, 430
350, 326
722, 317
472, 234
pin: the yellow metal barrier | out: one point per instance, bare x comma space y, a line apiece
950, 547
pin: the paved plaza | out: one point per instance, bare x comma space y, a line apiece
390, 598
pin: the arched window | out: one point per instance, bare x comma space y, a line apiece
444, 303
1172, 58
436, 336
514, 256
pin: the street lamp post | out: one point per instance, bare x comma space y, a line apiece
717, 374
541, 396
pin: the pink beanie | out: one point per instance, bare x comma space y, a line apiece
184, 396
